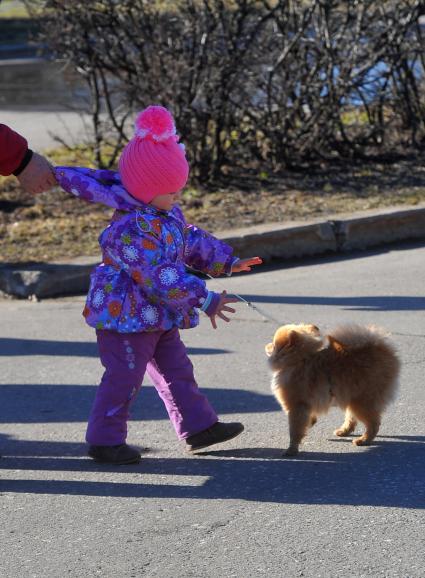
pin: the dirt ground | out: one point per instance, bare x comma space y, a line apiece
54, 225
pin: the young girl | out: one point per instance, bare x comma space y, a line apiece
141, 294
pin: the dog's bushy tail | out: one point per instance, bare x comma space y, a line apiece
373, 346
359, 336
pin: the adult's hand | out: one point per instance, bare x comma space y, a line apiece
37, 176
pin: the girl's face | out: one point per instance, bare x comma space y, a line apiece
166, 202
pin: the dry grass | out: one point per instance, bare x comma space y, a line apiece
54, 225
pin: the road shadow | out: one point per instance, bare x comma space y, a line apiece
388, 474
367, 303
11, 347
53, 403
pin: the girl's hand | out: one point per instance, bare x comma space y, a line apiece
222, 306
246, 264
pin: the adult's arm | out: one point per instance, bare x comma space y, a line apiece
14, 152
33, 171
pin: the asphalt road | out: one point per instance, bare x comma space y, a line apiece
241, 510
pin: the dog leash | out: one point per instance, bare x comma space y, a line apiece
251, 305
258, 310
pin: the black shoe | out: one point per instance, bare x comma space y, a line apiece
219, 432
119, 455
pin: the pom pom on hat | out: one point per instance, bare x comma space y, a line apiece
153, 162
155, 122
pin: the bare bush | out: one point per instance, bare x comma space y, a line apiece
251, 83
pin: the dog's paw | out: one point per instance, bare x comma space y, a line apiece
361, 441
341, 432
291, 452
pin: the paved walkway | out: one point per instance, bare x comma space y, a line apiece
41, 127
240, 510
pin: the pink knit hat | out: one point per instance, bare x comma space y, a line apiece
153, 163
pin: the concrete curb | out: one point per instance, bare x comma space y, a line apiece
344, 233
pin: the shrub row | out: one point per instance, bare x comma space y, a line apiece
252, 84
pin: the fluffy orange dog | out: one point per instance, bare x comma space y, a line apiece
355, 368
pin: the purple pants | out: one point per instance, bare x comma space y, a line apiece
126, 357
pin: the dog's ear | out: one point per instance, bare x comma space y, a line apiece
293, 338
335, 344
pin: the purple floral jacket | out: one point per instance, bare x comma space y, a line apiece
142, 283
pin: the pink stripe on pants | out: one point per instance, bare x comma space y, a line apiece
126, 357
